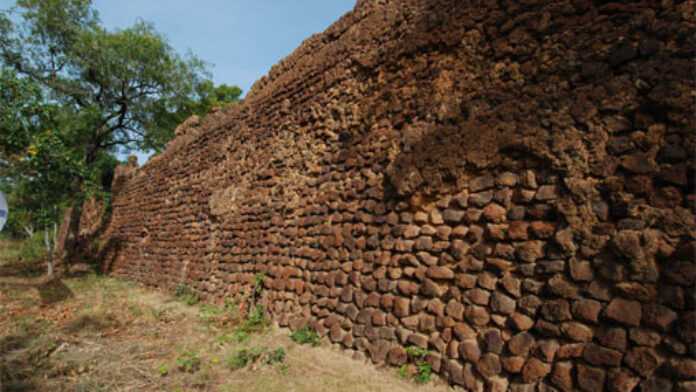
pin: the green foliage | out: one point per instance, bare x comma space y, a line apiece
33, 248
416, 352
258, 282
72, 94
186, 295
276, 356
240, 336
188, 362
208, 313
163, 370
403, 371
235, 337
244, 357
423, 370
306, 335
256, 321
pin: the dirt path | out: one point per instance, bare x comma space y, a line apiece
100, 334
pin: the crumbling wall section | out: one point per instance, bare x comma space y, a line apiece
509, 184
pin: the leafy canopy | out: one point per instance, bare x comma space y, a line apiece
73, 93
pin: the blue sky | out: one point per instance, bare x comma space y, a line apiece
241, 39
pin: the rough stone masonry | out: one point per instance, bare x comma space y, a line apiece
509, 184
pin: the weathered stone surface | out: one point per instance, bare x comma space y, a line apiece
521, 344
624, 311
477, 315
577, 332
402, 307
644, 360
534, 370
469, 350
601, 356
590, 379
621, 381
397, 356
558, 310
489, 365
562, 376
658, 316
501, 303
494, 213
656, 384
587, 310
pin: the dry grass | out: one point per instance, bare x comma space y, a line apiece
94, 333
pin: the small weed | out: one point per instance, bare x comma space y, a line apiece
135, 310
158, 314
237, 336
283, 368
186, 295
306, 335
244, 357
240, 336
209, 313
276, 356
256, 321
258, 282
188, 362
163, 370
425, 371
416, 352
403, 371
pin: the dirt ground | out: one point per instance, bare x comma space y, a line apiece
95, 333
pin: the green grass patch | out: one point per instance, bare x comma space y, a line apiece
244, 357
306, 335
186, 295
423, 370
188, 362
255, 322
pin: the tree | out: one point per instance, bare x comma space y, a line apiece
100, 91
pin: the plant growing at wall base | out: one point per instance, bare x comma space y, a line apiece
422, 373
186, 294
306, 335
256, 321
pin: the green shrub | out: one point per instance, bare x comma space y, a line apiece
422, 372
258, 282
416, 352
188, 362
163, 370
256, 321
276, 356
209, 313
235, 337
306, 335
186, 295
403, 371
425, 371
244, 357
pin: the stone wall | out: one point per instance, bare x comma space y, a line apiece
507, 183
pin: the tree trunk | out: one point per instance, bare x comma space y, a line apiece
49, 252
69, 238
66, 248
